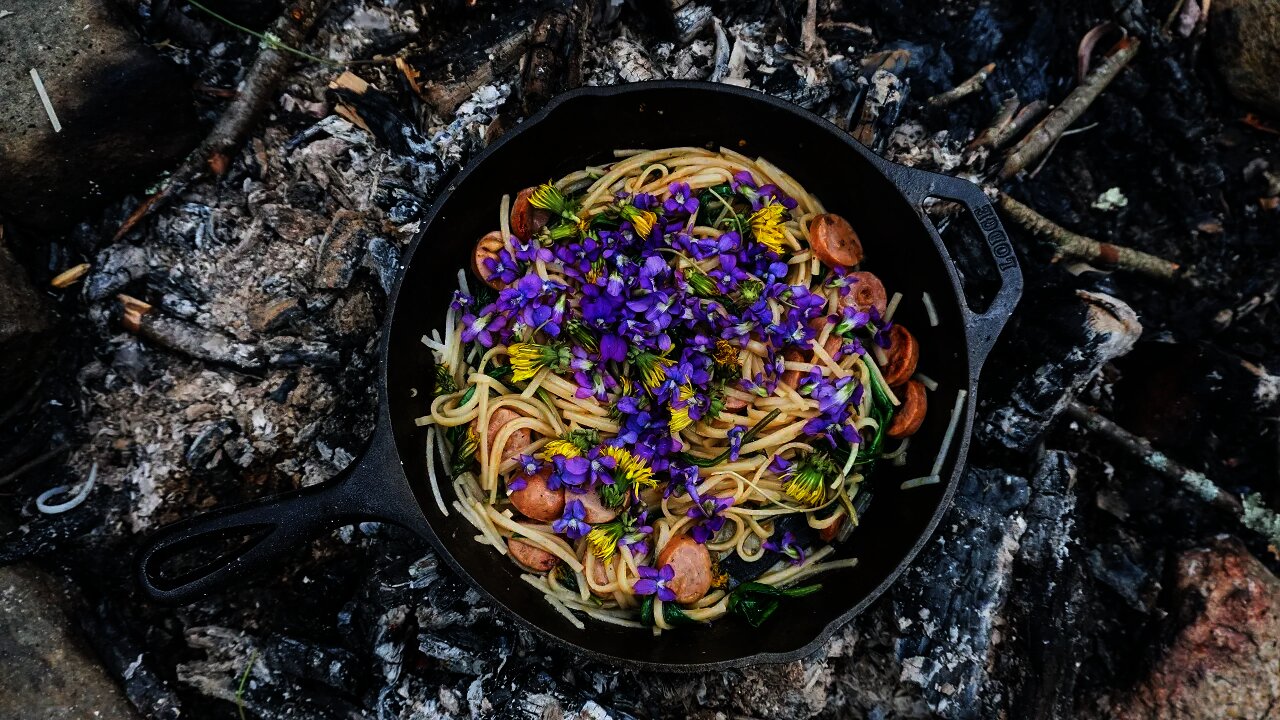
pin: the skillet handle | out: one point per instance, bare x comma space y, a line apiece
273, 526
983, 327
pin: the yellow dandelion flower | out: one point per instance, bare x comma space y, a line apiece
680, 415
725, 353
528, 358
653, 369
641, 220
560, 447
630, 470
604, 538
549, 197
766, 227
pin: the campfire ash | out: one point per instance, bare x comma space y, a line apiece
222, 337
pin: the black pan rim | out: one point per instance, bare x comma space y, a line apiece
964, 430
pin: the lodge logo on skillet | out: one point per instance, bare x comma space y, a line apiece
995, 236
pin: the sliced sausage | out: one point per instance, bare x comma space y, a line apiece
833, 342
596, 512
903, 353
734, 404
833, 241
531, 556
866, 292
791, 378
525, 218
907, 419
830, 532
535, 500
487, 248
692, 565
599, 576
519, 439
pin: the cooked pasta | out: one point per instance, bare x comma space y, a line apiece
670, 365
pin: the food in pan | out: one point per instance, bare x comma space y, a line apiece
665, 375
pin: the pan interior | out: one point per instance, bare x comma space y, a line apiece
899, 248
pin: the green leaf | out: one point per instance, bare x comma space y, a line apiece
755, 602
671, 613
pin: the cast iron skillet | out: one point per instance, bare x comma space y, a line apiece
881, 200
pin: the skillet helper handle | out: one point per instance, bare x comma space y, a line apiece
984, 327
267, 528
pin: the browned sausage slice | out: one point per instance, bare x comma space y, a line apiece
867, 292
487, 248
791, 378
519, 439
692, 565
907, 419
537, 502
525, 218
833, 241
531, 556
596, 512
734, 404
903, 353
830, 532
599, 576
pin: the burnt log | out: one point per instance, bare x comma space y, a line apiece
1059, 344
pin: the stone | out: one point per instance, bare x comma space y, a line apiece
1225, 661
126, 112
48, 674
25, 336
1246, 47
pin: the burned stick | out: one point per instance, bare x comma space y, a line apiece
186, 338
964, 89
1025, 118
1251, 511
1004, 116
1078, 247
256, 91
809, 28
1062, 117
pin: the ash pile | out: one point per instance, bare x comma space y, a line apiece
191, 292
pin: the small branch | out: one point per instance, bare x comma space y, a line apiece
1062, 117
1003, 117
1025, 118
964, 89
256, 91
1078, 247
32, 464
809, 28
1251, 511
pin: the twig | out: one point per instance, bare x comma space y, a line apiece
32, 464
1078, 247
1062, 117
1003, 117
257, 90
964, 89
809, 28
1251, 511
1028, 115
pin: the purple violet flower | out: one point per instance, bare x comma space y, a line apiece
654, 582
681, 200
735, 441
573, 523
708, 514
786, 546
